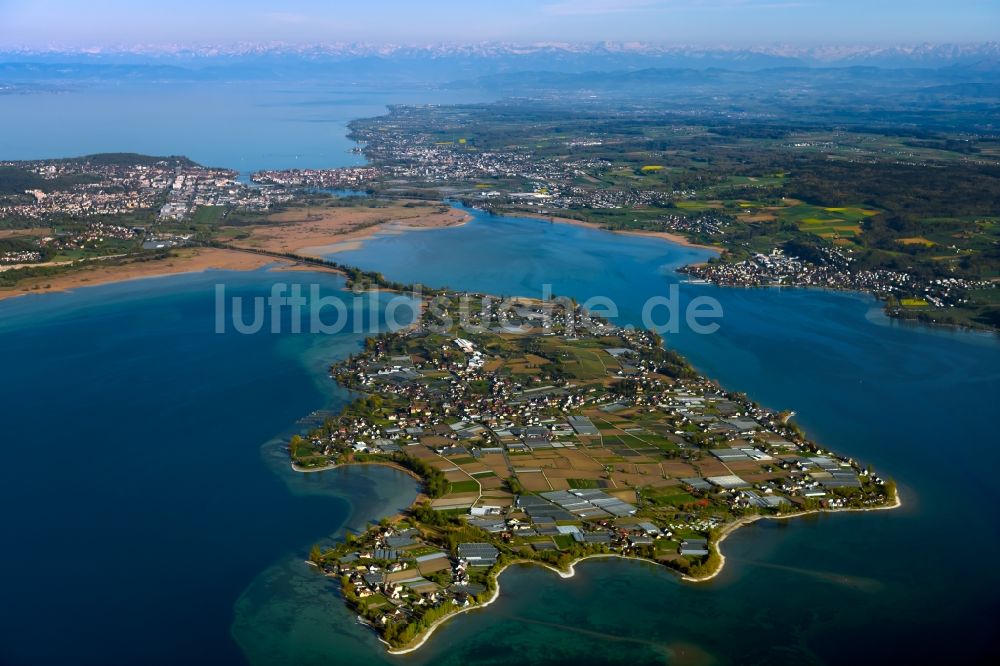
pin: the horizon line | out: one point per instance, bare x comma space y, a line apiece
167, 47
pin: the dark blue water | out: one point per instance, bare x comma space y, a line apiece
139, 487
918, 403
149, 515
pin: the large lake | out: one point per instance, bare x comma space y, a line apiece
150, 513
239, 125
150, 516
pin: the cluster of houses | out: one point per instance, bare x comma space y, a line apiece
523, 178
348, 178
20, 257
395, 572
510, 411
835, 272
197, 186
92, 237
508, 414
175, 188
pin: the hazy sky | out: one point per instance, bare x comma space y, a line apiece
706, 22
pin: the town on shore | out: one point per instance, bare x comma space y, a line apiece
886, 211
543, 434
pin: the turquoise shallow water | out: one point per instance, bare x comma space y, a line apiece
150, 515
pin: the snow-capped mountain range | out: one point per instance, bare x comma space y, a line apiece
615, 54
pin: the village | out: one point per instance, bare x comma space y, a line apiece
110, 206
767, 230
778, 268
108, 185
343, 178
543, 434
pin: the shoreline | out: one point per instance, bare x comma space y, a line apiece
678, 239
391, 465
670, 237
346, 229
421, 497
891, 312
424, 637
570, 572
354, 240
200, 259
749, 520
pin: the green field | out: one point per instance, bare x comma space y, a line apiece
469, 486
563, 541
695, 205
209, 215
827, 222
669, 496
665, 546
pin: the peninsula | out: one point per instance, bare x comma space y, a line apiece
543, 434
69, 223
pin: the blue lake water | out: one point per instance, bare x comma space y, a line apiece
150, 516
240, 125
150, 513
141, 486
916, 402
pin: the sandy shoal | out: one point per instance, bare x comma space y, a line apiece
316, 231
188, 260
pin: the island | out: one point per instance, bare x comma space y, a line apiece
543, 434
